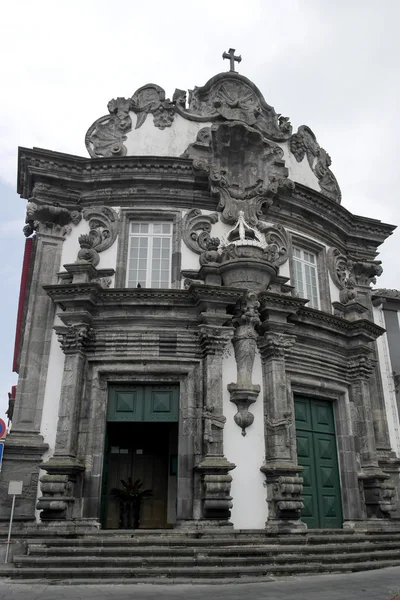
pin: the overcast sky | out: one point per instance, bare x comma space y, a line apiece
331, 65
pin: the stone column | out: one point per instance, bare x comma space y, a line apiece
25, 446
284, 484
363, 274
58, 486
378, 490
214, 467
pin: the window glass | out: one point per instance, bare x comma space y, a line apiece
305, 278
149, 256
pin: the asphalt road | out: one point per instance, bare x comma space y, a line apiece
369, 585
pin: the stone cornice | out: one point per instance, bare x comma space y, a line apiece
310, 212
75, 175
70, 180
94, 293
335, 324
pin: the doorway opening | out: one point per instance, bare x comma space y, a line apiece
317, 454
141, 446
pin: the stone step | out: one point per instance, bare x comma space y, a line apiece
197, 572
133, 540
268, 560
256, 550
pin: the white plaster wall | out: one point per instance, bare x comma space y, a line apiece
333, 289
250, 509
149, 140
299, 171
388, 383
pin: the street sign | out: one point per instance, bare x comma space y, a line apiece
3, 429
15, 488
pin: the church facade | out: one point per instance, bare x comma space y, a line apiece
197, 314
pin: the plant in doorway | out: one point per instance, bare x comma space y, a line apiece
130, 497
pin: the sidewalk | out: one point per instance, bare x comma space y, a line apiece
369, 585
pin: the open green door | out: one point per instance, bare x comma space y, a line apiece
317, 454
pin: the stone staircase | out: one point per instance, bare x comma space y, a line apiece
175, 556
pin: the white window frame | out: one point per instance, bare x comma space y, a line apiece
151, 236
306, 266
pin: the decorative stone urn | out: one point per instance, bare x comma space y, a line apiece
245, 258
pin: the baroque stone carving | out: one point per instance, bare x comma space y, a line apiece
50, 216
74, 338
196, 230
245, 170
244, 392
210, 420
107, 135
275, 345
87, 253
304, 143
339, 266
103, 224
365, 272
235, 98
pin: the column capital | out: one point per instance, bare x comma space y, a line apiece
275, 345
213, 339
360, 368
74, 338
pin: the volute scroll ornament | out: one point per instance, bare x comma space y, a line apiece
304, 143
196, 230
339, 266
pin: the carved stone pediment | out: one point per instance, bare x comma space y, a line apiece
233, 97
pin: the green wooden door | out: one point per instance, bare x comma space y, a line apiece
146, 403
317, 454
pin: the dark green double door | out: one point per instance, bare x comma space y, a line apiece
317, 454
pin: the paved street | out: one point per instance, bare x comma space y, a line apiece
370, 585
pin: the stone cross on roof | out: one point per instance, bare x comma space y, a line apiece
232, 58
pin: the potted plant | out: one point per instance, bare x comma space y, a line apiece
130, 497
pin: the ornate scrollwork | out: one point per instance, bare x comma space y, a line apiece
339, 266
347, 273
225, 153
196, 230
103, 224
304, 143
277, 244
235, 98
106, 136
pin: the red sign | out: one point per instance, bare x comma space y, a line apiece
3, 429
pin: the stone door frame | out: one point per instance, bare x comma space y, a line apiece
93, 423
347, 459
